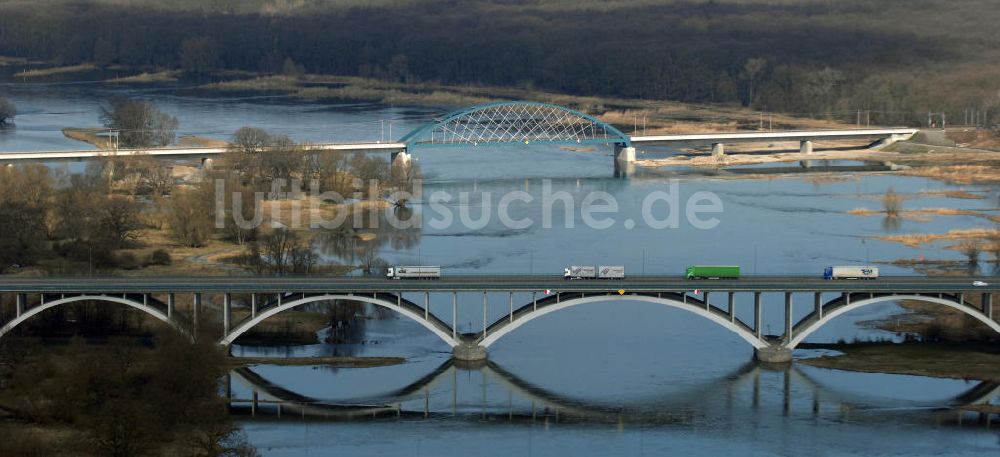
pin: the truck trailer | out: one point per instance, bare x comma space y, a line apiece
713, 272
611, 272
858, 272
413, 272
580, 272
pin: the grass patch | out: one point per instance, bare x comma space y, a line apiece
89, 136
940, 360
917, 240
146, 77
55, 71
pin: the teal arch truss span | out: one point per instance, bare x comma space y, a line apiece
515, 122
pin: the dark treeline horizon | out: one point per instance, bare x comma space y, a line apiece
806, 57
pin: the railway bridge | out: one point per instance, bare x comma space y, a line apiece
238, 304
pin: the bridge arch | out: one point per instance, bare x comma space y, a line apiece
699, 309
442, 331
150, 310
809, 328
513, 122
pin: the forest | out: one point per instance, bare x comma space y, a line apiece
898, 59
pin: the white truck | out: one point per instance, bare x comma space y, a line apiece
859, 272
580, 272
413, 272
590, 272
611, 272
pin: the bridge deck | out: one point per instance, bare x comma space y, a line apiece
175, 152
792, 135
180, 152
480, 283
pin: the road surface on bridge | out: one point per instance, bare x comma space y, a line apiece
482, 283
701, 138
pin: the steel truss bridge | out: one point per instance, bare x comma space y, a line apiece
238, 304
503, 123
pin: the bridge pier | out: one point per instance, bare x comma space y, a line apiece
468, 352
624, 169
806, 147
773, 354
624, 153
718, 150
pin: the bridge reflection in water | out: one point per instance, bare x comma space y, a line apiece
486, 391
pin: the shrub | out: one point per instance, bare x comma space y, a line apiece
160, 257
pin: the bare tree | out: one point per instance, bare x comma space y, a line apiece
751, 71
191, 219
892, 203
116, 221
280, 252
971, 249
140, 123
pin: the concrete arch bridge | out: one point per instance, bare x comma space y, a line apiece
257, 299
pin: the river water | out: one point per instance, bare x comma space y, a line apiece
619, 378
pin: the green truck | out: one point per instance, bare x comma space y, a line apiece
713, 272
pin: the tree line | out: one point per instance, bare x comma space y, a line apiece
800, 57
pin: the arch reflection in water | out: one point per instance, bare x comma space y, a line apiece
486, 391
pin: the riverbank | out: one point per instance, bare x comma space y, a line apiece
940, 360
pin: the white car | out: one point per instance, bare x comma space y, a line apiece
980, 283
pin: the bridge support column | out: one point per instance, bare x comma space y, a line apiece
788, 316
195, 304
624, 153
806, 147
170, 305
988, 305
818, 305
227, 309
22, 301
732, 306
718, 150
773, 354
253, 306
468, 352
757, 315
